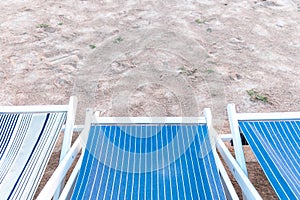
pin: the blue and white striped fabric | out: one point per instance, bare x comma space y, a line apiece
276, 144
26, 143
169, 161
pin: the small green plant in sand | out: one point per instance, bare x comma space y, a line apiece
256, 96
118, 40
60, 24
199, 21
42, 26
210, 71
92, 46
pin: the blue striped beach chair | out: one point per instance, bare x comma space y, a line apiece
275, 141
27, 137
145, 158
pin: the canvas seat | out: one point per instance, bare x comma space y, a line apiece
274, 139
146, 158
27, 137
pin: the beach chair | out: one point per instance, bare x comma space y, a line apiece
27, 138
275, 141
145, 158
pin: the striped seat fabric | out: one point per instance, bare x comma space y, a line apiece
148, 161
276, 144
26, 143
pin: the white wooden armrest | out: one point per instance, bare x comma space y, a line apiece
60, 172
68, 189
248, 189
225, 177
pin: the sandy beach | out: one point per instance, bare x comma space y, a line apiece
153, 58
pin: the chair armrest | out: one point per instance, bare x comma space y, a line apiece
248, 189
230, 191
68, 189
60, 172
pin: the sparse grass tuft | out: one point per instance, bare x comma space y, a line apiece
199, 21
210, 71
42, 26
92, 46
118, 40
256, 96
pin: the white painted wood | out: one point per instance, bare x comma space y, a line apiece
76, 128
69, 127
220, 166
89, 118
248, 189
225, 176
65, 194
268, 116
149, 120
238, 147
33, 109
226, 137
208, 117
60, 172
67, 135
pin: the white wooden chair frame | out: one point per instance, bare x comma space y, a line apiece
69, 125
60, 173
234, 117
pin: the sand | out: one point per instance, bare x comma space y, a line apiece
153, 58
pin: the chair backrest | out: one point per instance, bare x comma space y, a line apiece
27, 137
274, 139
148, 158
